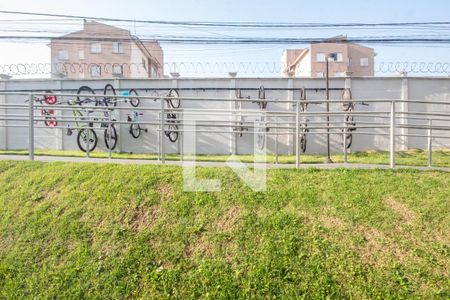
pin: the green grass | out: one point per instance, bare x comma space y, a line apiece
417, 157
123, 231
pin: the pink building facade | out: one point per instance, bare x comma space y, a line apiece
104, 51
348, 59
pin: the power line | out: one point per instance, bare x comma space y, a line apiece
233, 24
208, 40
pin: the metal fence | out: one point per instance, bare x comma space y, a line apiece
173, 120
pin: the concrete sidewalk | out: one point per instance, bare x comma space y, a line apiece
210, 164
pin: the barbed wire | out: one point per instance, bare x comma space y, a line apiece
205, 68
64, 69
224, 67
413, 67
25, 69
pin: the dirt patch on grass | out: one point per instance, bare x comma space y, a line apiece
332, 222
145, 217
165, 191
228, 221
378, 249
230, 249
50, 194
329, 220
200, 245
406, 215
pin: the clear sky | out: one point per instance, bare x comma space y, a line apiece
241, 11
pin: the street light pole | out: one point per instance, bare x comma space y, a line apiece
328, 159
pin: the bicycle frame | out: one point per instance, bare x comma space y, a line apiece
135, 128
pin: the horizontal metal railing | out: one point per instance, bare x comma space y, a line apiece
231, 120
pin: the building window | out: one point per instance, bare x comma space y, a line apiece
117, 70
364, 62
117, 47
339, 74
320, 57
144, 65
63, 55
96, 71
96, 48
339, 57
80, 54
320, 74
350, 61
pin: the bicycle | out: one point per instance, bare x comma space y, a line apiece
135, 128
133, 101
110, 99
110, 95
174, 100
173, 103
304, 123
349, 120
262, 130
86, 135
241, 127
48, 114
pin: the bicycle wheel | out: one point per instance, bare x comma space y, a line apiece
82, 139
174, 103
303, 137
261, 139
111, 141
110, 95
347, 95
134, 101
50, 99
172, 135
50, 122
349, 140
85, 99
303, 143
350, 123
172, 132
262, 95
135, 130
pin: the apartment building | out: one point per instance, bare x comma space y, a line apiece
104, 51
343, 58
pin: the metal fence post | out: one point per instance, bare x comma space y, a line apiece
276, 139
430, 143
345, 139
297, 132
181, 133
31, 128
109, 133
392, 136
290, 97
88, 144
158, 135
161, 138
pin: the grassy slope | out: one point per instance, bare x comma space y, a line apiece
88, 230
441, 158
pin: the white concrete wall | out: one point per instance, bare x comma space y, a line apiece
223, 143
